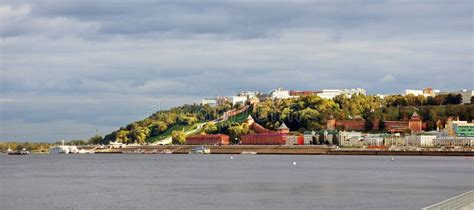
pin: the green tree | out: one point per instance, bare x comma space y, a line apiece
97, 139
178, 137
140, 134
157, 128
210, 128
382, 124
369, 124
430, 101
236, 131
439, 100
123, 137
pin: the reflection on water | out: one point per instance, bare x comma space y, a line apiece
219, 182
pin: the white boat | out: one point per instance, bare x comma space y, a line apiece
63, 149
73, 150
83, 151
19, 152
59, 150
248, 153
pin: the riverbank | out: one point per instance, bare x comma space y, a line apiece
283, 150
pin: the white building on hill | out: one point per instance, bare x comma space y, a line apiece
329, 93
237, 99
425, 92
332, 93
210, 101
466, 95
280, 93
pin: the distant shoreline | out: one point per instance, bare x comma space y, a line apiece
285, 150
276, 150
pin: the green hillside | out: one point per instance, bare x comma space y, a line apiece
299, 114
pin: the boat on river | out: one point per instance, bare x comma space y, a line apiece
63, 149
84, 151
19, 152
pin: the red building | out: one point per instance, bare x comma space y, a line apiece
264, 139
216, 139
303, 93
415, 124
396, 126
351, 125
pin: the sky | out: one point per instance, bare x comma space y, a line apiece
71, 69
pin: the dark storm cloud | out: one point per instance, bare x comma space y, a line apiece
254, 20
89, 64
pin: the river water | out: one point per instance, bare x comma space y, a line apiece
219, 182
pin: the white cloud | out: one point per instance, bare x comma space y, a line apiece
10, 13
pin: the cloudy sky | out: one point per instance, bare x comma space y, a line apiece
69, 68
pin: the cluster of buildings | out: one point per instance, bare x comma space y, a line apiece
347, 132
259, 136
279, 93
425, 92
466, 94
241, 98
455, 134
414, 124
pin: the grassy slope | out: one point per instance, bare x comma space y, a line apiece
170, 130
239, 118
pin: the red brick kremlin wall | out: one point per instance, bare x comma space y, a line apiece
359, 125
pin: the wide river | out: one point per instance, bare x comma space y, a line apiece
221, 182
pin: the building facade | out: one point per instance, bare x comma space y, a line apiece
303, 93
329, 93
208, 139
415, 124
280, 93
209, 101
264, 139
448, 141
425, 92
332, 93
350, 138
237, 99
459, 128
420, 140
309, 137
466, 95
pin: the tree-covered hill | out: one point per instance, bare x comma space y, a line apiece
165, 122
299, 114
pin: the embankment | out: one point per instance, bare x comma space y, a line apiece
282, 150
